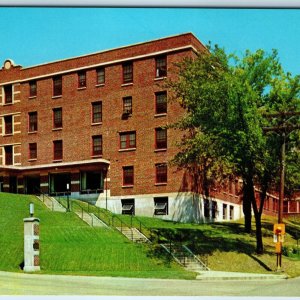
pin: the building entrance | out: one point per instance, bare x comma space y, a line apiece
32, 184
58, 183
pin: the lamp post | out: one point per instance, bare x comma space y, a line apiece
68, 200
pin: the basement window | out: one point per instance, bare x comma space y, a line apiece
161, 206
127, 206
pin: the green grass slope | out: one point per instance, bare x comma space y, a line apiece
69, 246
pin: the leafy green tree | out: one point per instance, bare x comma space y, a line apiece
226, 100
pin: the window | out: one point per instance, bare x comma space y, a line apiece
206, 208
57, 150
127, 206
231, 212
161, 173
100, 76
224, 211
127, 105
128, 176
161, 66
97, 112
57, 86
57, 117
127, 140
97, 145
91, 182
81, 79
8, 99
32, 89
8, 120
160, 138
32, 151
33, 126
161, 103
127, 72
8, 155
214, 209
161, 206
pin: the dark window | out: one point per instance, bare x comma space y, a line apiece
81, 79
97, 112
161, 173
206, 208
32, 151
128, 176
8, 99
160, 138
97, 145
57, 150
161, 205
161, 66
57, 117
127, 105
100, 76
214, 209
33, 121
224, 211
127, 206
32, 89
161, 103
127, 140
231, 212
91, 182
8, 155
127, 73
57, 86
8, 120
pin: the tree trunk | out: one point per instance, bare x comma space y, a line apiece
247, 206
259, 241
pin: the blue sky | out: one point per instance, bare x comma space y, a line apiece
33, 36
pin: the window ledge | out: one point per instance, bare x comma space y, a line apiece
55, 97
95, 124
32, 132
57, 129
160, 115
81, 88
127, 84
31, 97
160, 78
96, 156
127, 186
8, 134
161, 183
128, 149
160, 150
100, 84
6, 104
57, 160
32, 159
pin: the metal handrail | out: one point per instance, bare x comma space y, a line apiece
195, 257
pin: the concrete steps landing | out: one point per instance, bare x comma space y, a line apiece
133, 234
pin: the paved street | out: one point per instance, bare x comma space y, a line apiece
33, 284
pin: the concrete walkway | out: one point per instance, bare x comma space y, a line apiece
218, 275
37, 284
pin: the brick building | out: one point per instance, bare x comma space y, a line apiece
93, 126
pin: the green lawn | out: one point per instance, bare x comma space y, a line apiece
68, 245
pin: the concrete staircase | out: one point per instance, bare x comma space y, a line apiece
185, 257
90, 219
133, 234
51, 203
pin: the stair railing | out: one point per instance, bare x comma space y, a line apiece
195, 257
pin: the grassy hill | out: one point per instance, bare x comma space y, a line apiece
70, 246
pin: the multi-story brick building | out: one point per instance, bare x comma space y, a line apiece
94, 126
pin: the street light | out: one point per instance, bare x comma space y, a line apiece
68, 202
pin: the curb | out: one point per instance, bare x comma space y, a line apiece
239, 276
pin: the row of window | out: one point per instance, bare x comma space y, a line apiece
161, 206
127, 75
161, 107
161, 174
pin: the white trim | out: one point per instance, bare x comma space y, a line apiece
97, 65
11, 114
44, 184
14, 144
62, 164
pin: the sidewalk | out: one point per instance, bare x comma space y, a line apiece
219, 275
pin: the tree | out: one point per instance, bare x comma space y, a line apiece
225, 100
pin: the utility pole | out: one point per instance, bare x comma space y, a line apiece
284, 129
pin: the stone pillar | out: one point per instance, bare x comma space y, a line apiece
31, 244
